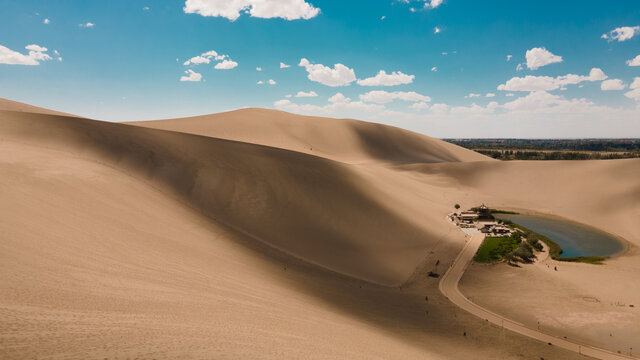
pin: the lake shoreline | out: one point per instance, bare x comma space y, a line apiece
625, 245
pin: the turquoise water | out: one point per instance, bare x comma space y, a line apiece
574, 239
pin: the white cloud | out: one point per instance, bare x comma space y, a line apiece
509, 94
444, 53
258, 69
437, 30
622, 33
287, 96
539, 57
519, 67
146, 8
383, 97
191, 76
548, 83
490, 95
266, 9
197, 60
472, 95
36, 55
306, 94
272, 82
432, 4
509, 57
260, 82
87, 25
337, 103
383, 17
226, 65
340, 75
419, 105
384, 79
635, 90
284, 66
225, 62
612, 84
46, 21
634, 62
435, 68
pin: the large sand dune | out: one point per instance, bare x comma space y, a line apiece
199, 239
340, 139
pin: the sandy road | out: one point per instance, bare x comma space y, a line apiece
449, 287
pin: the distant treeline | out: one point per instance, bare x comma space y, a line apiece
532, 149
555, 155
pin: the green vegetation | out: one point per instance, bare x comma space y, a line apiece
497, 211
457, 206
549, 149
495, 248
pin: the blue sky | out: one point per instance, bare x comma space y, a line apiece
569, 74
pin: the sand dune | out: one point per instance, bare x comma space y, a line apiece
125, 241
345, 140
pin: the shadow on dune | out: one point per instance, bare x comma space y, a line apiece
310, 207
400, 146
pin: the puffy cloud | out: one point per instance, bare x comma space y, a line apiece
634, 62
225, 62
419, 105
434, 69
260, 82
284, 66
437, 30
548, 83
272, 82
432, 4
306, 94
384, 79
383, 17
36, 55
337, 102
146, 8
46, 21
613, 84
191, 76
383, 97
490, 95
472, 95
258, 69
635, 90
226, 65
340, 75
87, 25
266, 9
622, 33
539, 57
519, 67
509, 57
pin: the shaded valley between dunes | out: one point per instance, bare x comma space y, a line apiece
262, 234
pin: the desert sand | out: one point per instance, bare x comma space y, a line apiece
262, 234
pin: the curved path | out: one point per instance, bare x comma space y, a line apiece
449, 287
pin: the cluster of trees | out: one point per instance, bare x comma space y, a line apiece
594, 145
545, 149
555, 155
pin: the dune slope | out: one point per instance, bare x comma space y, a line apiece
311, 207
340, 139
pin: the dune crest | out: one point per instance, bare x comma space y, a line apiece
345, 140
